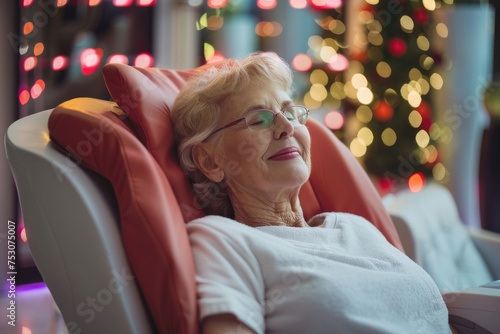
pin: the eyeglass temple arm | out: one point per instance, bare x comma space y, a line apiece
229, 124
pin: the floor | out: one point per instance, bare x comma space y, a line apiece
35, 312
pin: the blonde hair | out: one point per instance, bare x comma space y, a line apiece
197, 110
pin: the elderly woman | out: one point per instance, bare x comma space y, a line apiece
261, 268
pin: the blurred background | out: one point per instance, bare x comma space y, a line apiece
410, 86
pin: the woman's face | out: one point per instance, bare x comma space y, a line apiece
270, 161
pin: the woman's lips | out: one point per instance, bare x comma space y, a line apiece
286, 154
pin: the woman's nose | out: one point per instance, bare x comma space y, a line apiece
283, 128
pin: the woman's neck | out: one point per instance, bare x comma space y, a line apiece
283, 210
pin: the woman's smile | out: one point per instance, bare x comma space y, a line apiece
286, 154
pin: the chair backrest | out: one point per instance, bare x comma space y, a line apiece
435, 237
72, 224
135, 152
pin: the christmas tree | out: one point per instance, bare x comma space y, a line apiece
398, 63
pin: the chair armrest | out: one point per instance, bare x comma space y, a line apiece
488, 245
475, 310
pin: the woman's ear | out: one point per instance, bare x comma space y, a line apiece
204, 159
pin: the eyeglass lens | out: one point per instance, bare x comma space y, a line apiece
265, 118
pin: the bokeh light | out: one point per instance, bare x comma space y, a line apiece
422, 138
268, 29
383, 69
38, 49
397, 46
334, 120
338, 63
37, 88
389, 137
23, 235
415, 119
365, 135
364, 95
24, 96
364, 114
383, 111
90, 59
59, 63
442, 30
357, 147
298, 4
318, 76
144, 60
302, 62
215, 22
28, 28
216, 3
416, 182
266, 4
406, 23
118, 59
318, 92
430, 5
145, 3
325, 4
123, 3
436, 81
439, 171
423, 43
30, 63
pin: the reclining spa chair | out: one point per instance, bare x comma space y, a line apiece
434, 236
104, 203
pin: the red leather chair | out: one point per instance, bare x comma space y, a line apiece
110, 240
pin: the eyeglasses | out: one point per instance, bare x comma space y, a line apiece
264, 119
